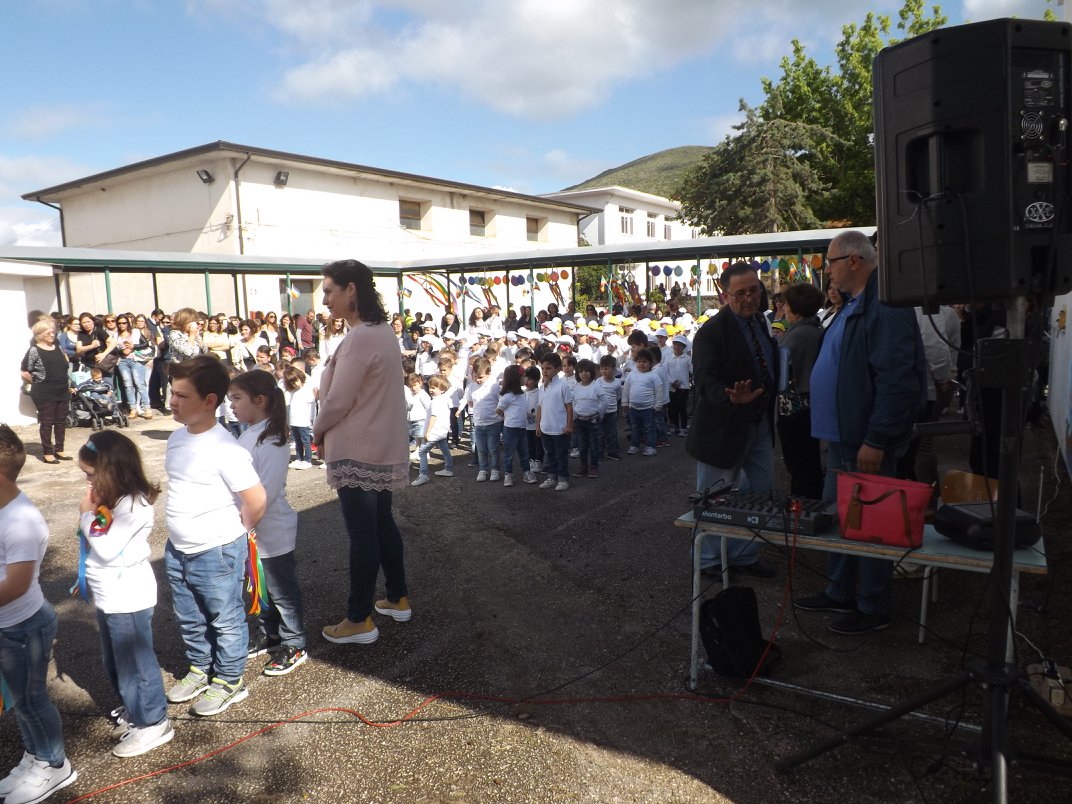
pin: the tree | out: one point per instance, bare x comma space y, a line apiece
757, 180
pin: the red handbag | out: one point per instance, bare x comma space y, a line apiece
882, 510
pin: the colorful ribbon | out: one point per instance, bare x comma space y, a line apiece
255, 586
101, 522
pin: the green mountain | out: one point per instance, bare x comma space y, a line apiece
659, 173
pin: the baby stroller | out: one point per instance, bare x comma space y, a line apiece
87, 410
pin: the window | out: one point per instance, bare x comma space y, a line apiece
652, 217
666, 232
478, 223
532, 229
409, 214
627, 220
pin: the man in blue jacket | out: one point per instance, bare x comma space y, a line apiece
868, 386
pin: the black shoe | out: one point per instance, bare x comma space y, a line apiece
714, 571
821, 602
858, 623
756, 570
260, 644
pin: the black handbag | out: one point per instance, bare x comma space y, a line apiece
731, 635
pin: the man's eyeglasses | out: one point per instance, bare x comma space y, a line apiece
747, 293
829, 260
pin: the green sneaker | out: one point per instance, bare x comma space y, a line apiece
195, 682
219, 696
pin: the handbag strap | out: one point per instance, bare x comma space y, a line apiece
854, 514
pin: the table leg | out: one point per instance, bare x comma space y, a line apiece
725, 561
694, 657
927, 573
1014, 602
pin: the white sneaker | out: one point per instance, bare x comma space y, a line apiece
41, 780
562, 486
631, 451
508, 479
304, 465
494, 476
575, 452
481, 476
649, 451
11, 781
528, 477
294, 465
139, 741
549, 483
122, 722
445, 473
421, 480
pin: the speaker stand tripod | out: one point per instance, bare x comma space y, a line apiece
1004, 364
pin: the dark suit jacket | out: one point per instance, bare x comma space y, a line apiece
719, 429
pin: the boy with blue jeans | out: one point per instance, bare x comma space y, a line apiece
436, 430
554, 423
27, 630
206, 551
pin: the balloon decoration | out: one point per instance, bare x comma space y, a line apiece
678, 271
656, 270
765, 266
498, 280
816, 261
667, 271
563, 274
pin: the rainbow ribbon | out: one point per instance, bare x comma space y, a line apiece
101, 522
255, 587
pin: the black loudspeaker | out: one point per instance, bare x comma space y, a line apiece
972, 163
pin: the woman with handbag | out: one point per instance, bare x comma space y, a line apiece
131, 348
45, 367
93, 344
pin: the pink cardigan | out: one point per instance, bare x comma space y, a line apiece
362, 414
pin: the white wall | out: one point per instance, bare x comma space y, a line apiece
22, 288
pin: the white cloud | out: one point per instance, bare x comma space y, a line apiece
721, 126
27, 227
976, 10
29, 224
40, 122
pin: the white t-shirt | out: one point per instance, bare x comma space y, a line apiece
679, 370
417, 405
552, 406
118, 570
205, 471
642, 389
586, 400
515, 410
300, 406
440, 409
277, 532
483, 400
23, 537
532, 399
610, 393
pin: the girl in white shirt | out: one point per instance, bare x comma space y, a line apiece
482, 399
117, 518
301, 402
514, 410
259, 403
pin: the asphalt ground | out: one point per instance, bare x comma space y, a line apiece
546, 660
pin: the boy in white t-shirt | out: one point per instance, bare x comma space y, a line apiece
554, 423
436, 430
214, 498
610, 391
27, 631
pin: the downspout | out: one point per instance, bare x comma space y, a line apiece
63, 241
238, 204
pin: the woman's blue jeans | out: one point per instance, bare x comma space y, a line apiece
135, 384
25, 650
374, 542
487, 438
206, 592
131, 664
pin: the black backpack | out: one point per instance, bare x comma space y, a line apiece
729, 628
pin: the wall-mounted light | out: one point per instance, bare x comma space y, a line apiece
205, 176
281, 178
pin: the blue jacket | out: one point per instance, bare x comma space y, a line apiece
882, 374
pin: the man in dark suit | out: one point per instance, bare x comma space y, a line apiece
735, 366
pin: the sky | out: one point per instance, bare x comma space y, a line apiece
530, 95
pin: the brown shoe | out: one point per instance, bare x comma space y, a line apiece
399, 612
347, 632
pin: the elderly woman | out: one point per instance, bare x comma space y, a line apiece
406, 344
361, 433
799, 450
184, 339
45, 367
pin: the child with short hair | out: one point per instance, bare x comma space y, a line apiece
610, 391
436, 430
531, 382
97, 390
513, 409
206, 551
279, 627
640, 393
587, 419
299, 401
417, 402
27, 631
554, 423
116, 521
658, 368
679, 373
456, 381
482, 398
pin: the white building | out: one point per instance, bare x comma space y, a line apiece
23, 288
224, 198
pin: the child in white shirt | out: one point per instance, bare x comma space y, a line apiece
587, 419
481, 398
300, 402
436, 430
640, 394
531, 382
679, 372
514, 409
417, 402
554, 423
610, 391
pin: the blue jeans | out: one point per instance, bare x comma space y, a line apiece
374, 542
609, 426
135, 383
556, 455
661, 427
284, 615
25, 649
486, 437
873, 574
754, 473
515, 440
641, 425
206, 592
444, 448
303, 440
131, 665
589, 441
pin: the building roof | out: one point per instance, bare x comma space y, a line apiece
221, 148
612, 190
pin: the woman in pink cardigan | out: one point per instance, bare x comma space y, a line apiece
362, 434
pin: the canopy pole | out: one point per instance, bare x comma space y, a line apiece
699, 286
532, 300
156, 291
237, 297
208, 294
108, 287
610, 293
290, 298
